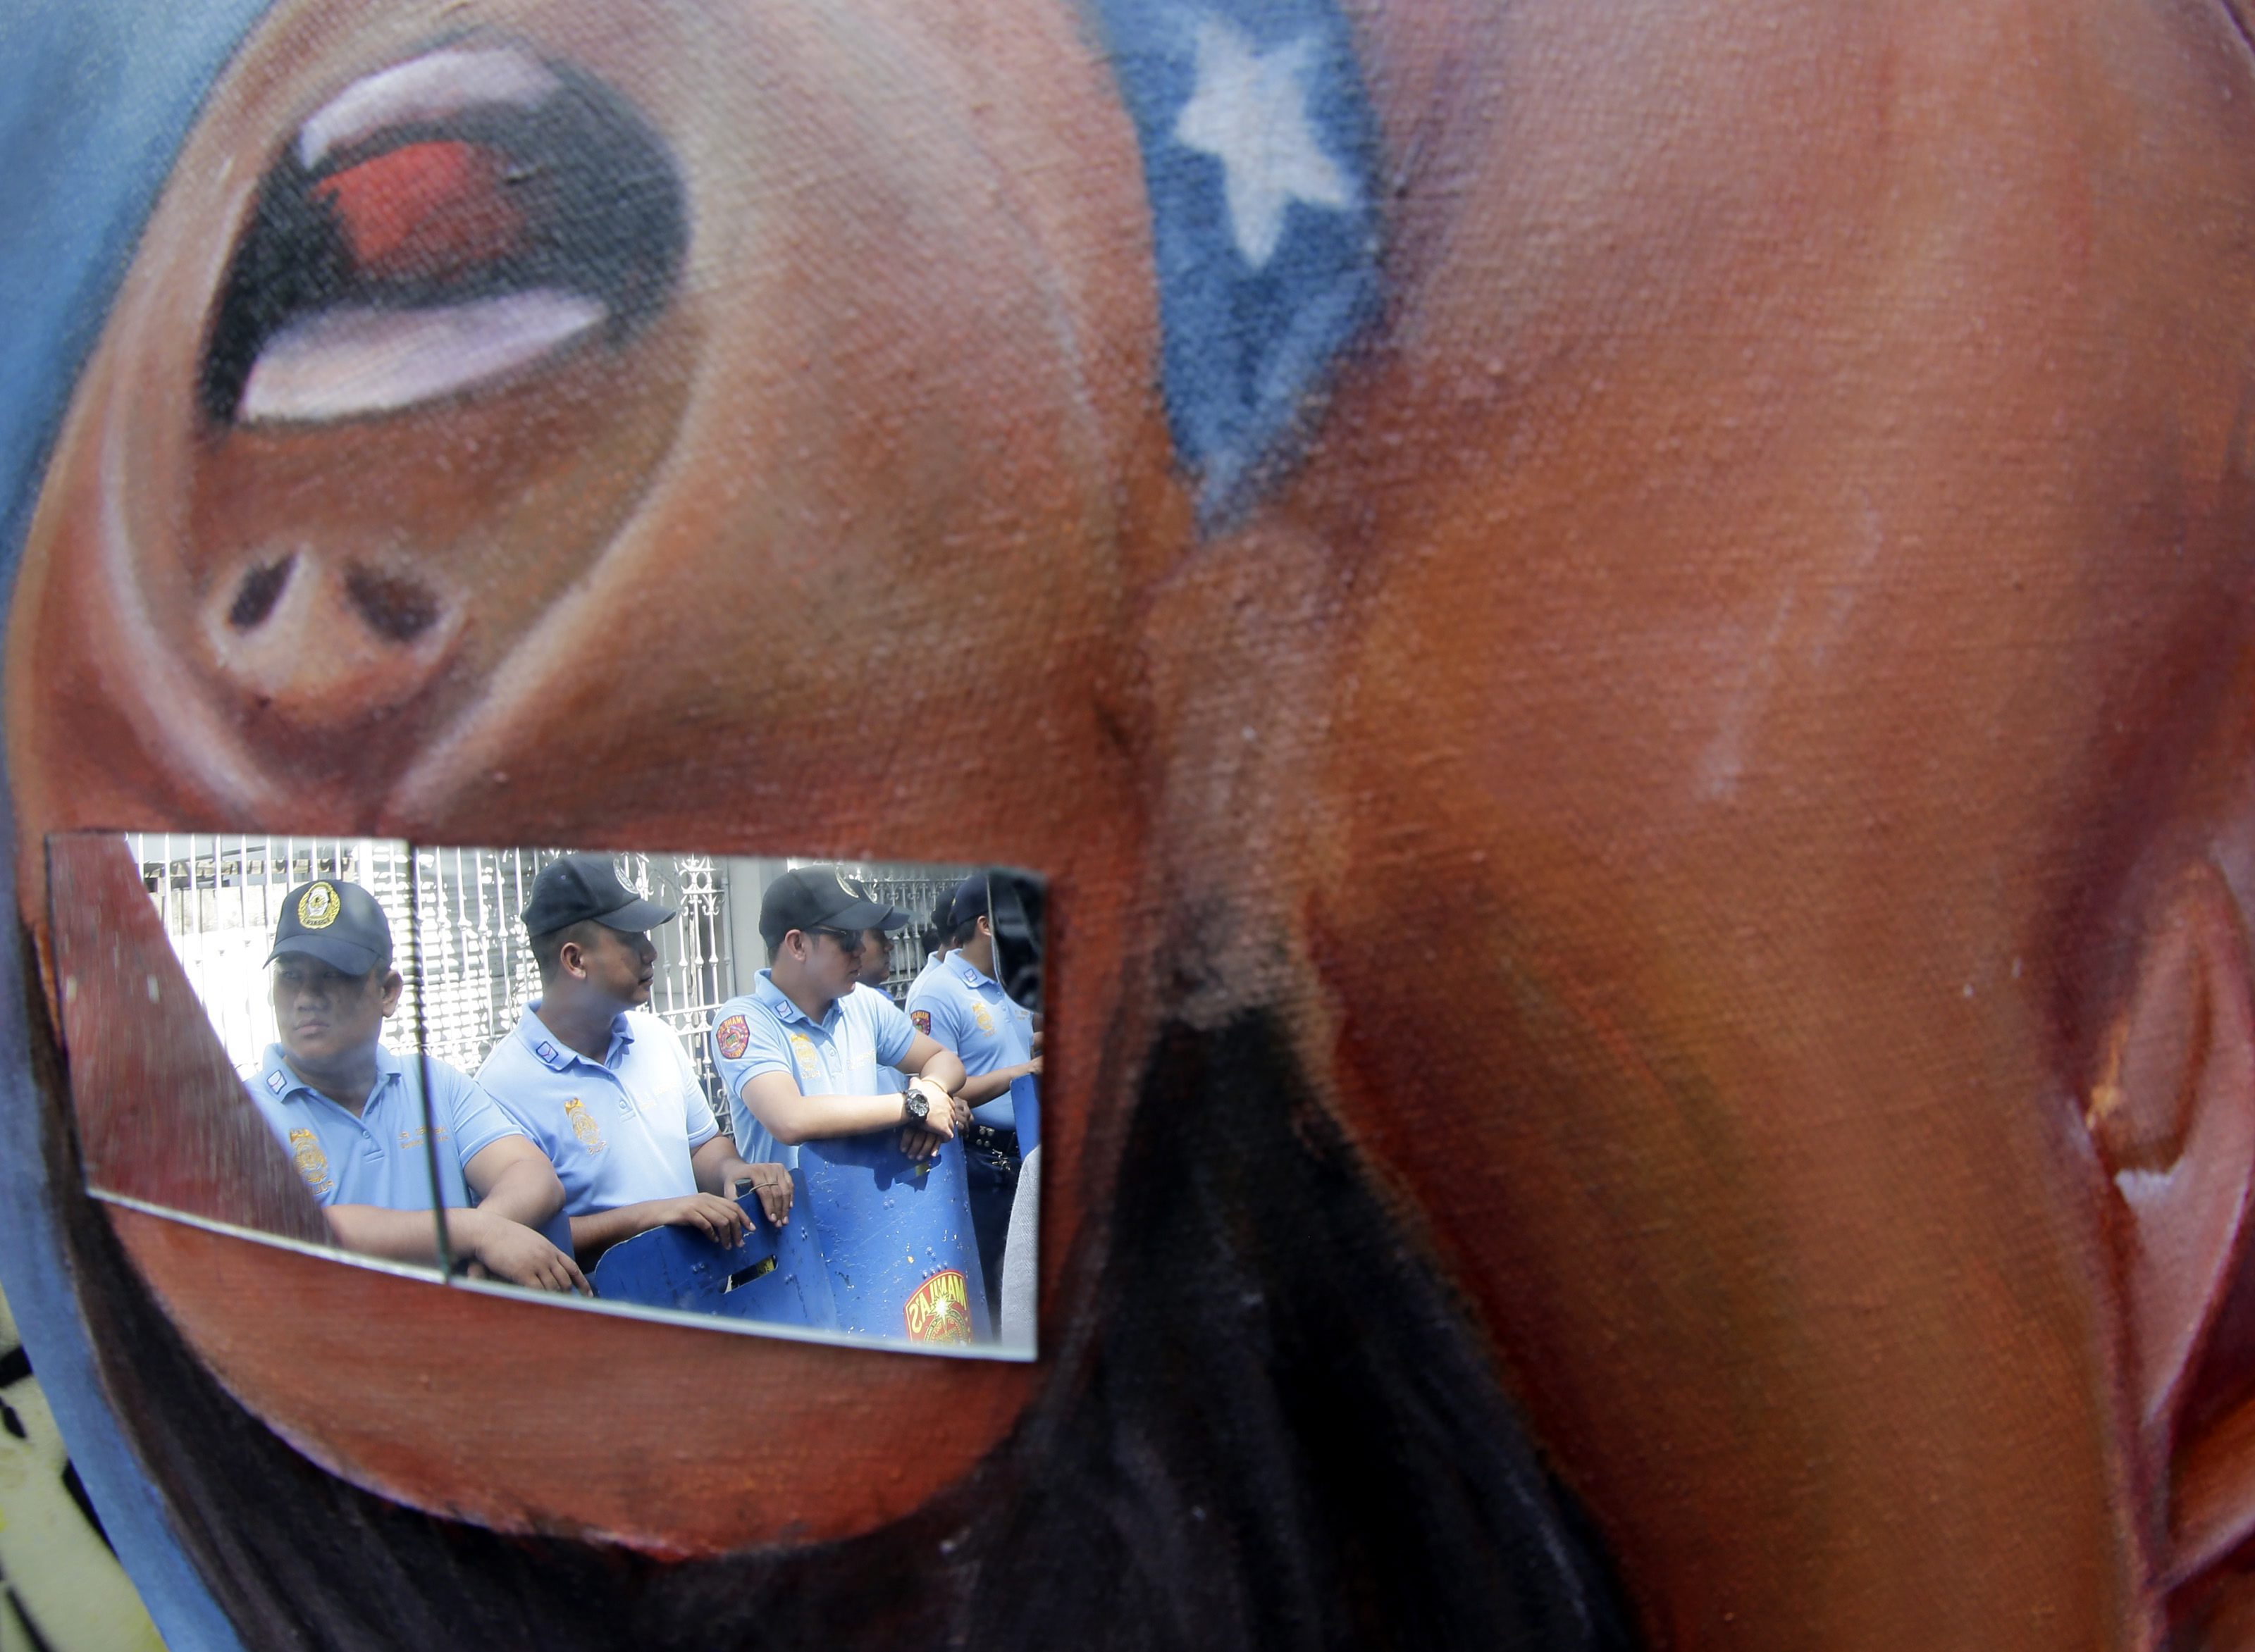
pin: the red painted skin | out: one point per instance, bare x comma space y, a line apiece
1777, 581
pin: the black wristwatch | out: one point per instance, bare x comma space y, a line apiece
914, 1107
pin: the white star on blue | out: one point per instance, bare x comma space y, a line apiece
1250, 113
1259, 155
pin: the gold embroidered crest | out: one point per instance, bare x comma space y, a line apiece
583, 1125
312, 1163
940, 1310
979, 1012
809, 1058
317, 906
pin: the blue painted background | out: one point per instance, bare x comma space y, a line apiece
95, 98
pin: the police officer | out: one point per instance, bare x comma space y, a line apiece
938, 932
963, 1007
876, 959
802, 1052
351, 1113
605, 1088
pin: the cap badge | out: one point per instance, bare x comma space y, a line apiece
317, 906
846, 883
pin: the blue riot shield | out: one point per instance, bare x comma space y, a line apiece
1026, 1112
778, 1275
895, 1234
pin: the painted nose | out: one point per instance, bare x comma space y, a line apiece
317, 638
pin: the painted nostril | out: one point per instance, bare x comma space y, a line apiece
260, 591
399, 610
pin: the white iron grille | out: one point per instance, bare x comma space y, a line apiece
219, 898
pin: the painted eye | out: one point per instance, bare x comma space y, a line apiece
438, 227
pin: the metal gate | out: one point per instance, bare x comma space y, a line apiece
219, 898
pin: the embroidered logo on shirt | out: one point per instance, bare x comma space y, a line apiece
940, 1310
276, 1083
733, 1037
589, 1132
923, 1019
986, 1021
809, 1058
544, 1050
317, 906
312, 1163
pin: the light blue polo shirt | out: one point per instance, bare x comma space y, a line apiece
378, 1159
763, 1032
967, 1010
620, 1130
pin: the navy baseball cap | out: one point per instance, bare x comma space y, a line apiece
581, 886
822, 896
970, 901
339, 923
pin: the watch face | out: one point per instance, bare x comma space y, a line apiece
918, 1106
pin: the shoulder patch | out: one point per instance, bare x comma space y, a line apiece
923, 1019
733, 1036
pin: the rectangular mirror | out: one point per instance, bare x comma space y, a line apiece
239, 1014
776, 1094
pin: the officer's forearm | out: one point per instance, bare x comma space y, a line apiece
526, 1193
987, 1086
710, 1161
812, 1119
401, 1235
593, 1233
944, 1068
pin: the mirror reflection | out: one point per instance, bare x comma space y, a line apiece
781, 1093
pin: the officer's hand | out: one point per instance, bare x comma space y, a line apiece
514, 1252
720, 1220
1034, 1066
920, 1144
772, 1183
